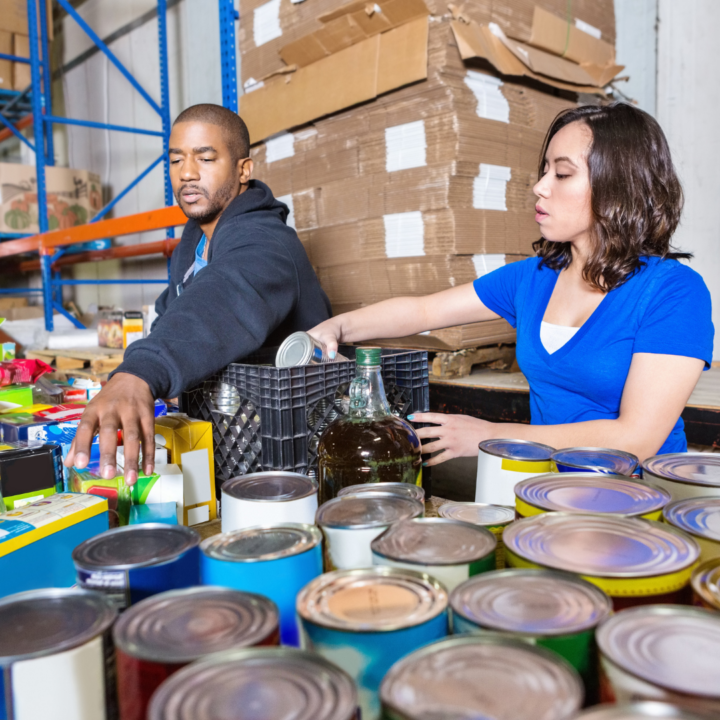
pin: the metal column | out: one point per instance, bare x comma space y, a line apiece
228, 57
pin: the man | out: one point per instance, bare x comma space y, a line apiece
239, 279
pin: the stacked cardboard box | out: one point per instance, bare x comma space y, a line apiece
421, 189
14, 40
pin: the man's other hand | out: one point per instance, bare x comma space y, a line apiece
126, 404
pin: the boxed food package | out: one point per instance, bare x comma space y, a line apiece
189, 444
13, 396
110, 329
73, 197
164, 513
29, 473
36, 541
24, 427
132, 327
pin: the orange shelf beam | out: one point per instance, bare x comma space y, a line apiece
21, 124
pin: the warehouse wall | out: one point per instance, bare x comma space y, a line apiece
688, 104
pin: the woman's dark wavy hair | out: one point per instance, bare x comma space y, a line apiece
636, 197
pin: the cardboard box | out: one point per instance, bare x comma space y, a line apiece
28, 474
36, 541
153, 513
22, 427
22, 74
14, 17
165, 486
190, 446
6, 66
74, 197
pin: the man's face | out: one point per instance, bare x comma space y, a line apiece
202, 172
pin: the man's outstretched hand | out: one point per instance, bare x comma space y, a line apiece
126, 404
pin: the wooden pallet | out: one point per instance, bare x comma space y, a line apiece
84, 361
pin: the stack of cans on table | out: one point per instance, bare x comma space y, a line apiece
580, 594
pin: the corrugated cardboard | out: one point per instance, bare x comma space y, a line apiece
356, 74
14, 17
6, 66
459, 337
22, 76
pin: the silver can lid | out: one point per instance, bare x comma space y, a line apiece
591, 493
483, 675
367, 510
601, 545
697, 516
517, 450
640, 711
477, 513
134, 546
181, 626
706, 582
278, 683
690, 468
599, 460
372, 599
260, 544
45, 622
297, 349
393, 488
673, 647
531, 602
270, 486
434, 541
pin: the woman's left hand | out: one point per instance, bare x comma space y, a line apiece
456, 435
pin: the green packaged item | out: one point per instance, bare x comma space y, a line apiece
15, 396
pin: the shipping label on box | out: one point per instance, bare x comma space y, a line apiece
73, 197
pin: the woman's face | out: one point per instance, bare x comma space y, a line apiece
563, 209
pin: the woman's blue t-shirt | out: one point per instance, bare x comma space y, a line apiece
663, 308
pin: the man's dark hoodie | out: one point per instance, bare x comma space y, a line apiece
258, 287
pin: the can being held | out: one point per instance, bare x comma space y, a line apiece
473, 677
365, 620
589, 493
350, 523
594, 460
706, 585
554, 610
699, 517
451, 551
636, 562
666, 653
273, 561
502, 463
162, 634
685, 475
407, 490
277, 683
132, 563
56, 656
494, 518
301, 348
268, 498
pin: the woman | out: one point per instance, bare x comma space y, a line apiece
612, 331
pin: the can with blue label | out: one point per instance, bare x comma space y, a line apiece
364, 620
594, 460
590, 493
276, 562
132, 563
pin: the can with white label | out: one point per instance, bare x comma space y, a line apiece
365, 620
554, 610
494, 518
132, 563
594, 460
268, 498
634, 561
699, 517
503, 463
407, 490
277, 683
451, 551
590, 493
56, 656
350, 523
476, 677
662, 652
685, 475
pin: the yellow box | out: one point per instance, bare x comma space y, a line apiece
132, 327
190, 446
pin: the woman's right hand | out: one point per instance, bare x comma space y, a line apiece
330, 334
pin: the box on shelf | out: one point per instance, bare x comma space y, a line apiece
110, 329
21, 72
73, 196
14, 17
36, 541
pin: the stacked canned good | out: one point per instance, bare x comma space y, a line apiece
399, 616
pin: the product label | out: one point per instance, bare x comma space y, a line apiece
485, 264
588, 28
404, 234
491, 103
130, 337
279, 147
405, 146
266, 22
489, 187
112, 583
26, 501
288, 200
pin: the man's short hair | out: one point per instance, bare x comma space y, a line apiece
234, 129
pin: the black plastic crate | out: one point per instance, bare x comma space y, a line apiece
268, 418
